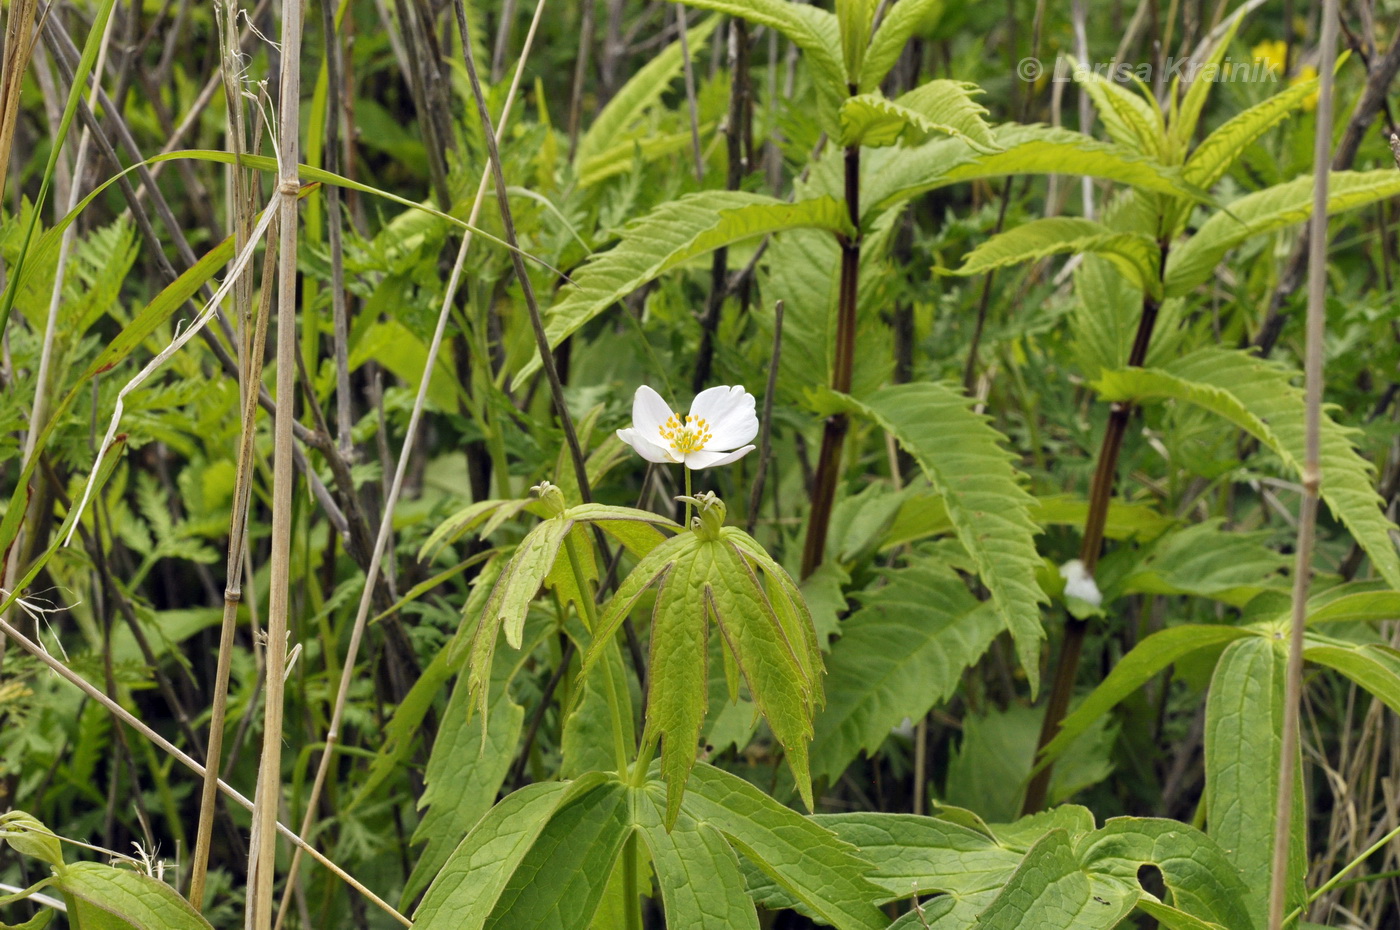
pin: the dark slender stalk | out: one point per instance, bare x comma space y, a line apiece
828, 471
585, 47
765, 439
737, 168
1100, 494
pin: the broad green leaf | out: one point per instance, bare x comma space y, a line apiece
1050, 889
892, 176
1130, 120
823, 873
985, 503
1201, 879
1126, 520
464, 892
670, 235
134, 898
924, 855
26, 835
1135, 255
561, 878
902, 19
1244, 723
1209, 561
939, 107
38, 922
941, 630
1265, 211
810, 28
1373, 666
462, 778
1134, 670
990, 768
1259, 397
642, 91
1361, 606
701, 886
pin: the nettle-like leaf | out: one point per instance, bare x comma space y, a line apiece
670, 235
810, 28
642, 91
533, 563
941, 629
1134, 254
713, 574
939, 107
962, 455
899, 24
1271, 209
894, 175
1219, 150
1130, 119
1259, 397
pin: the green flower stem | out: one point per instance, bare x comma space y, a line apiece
688, 495
590, 613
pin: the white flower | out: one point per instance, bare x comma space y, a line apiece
1079, 583
717, 430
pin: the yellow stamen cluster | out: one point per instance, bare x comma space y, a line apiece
690, 437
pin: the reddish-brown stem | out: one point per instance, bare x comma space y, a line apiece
828, 472
1100, 494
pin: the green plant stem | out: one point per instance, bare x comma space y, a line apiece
1314, 359
1100, 495
837, 425
630, 890
688, 495
590, 615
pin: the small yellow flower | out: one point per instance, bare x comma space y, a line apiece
1273, 53
1305, 74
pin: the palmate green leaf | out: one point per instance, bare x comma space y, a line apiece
462, 777
697, 870
1202, 881
1271, 209
825, 875
1244, 723
561, 879
891, 176
902, 19
941, 629
469, 886
1134, 254
1373, 666
987, 506
1259, 397
939, 107
670, 235
642, 91
1051, 889
1134, 670
118, 897
810, 28
1129, 119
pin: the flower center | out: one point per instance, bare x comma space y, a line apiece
690, 437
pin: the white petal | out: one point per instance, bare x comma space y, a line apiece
649, 412
1079, 583
706, 459
645, 447
728, 413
